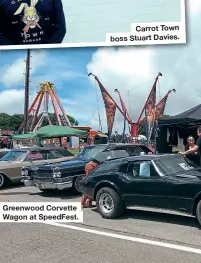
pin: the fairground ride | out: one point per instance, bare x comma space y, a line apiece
39, 111
134, 126
40, 107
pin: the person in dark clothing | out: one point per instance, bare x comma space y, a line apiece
86, 201
195, 157
31, 22
196, 147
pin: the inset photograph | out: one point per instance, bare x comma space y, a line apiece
59, 23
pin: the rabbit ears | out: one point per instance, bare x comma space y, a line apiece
20, 9
34, 2
23, 5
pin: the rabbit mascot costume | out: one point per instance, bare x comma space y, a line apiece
31, 22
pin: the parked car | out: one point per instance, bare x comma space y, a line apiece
3, 152
63, 175
159, 181
15, 159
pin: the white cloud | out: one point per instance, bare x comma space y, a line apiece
13, 74
126, 68
12, 101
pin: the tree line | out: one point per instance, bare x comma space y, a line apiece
13, 122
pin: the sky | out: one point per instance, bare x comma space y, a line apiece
132, 70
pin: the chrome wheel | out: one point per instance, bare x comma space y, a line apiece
106, 203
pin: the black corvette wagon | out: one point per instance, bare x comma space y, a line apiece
159, 181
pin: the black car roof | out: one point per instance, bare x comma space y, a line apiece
119, 144
36, 148
145, 157
151, 157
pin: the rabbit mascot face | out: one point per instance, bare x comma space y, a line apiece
30, 18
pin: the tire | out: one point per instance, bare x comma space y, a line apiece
198, 212
76, 187
114, 209
3, 181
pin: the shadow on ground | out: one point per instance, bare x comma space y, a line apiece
66, 194
161, 217
19, 189
52, 194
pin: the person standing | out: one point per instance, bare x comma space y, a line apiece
195, 157
31, 22
86, 201
194, 148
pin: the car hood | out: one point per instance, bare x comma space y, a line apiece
75, 162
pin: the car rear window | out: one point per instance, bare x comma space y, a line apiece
174, 164
45, 155
145, 149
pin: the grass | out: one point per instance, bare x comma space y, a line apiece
74, 151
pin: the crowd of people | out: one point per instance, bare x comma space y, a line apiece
5, 142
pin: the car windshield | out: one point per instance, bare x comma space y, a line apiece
14, 156
3, 153
174, 164
91, 151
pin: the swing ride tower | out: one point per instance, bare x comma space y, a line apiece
134, 126
45, 97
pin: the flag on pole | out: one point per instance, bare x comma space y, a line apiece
160, 107
150, 111
110, 107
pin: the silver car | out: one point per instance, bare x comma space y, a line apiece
15, 159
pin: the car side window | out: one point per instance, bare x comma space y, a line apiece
123, 168
36, 156
54, 154
134, 150
143, 169
120, 148
134, 169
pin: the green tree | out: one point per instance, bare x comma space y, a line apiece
4, 121
142, 130
13, 122
54, 120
